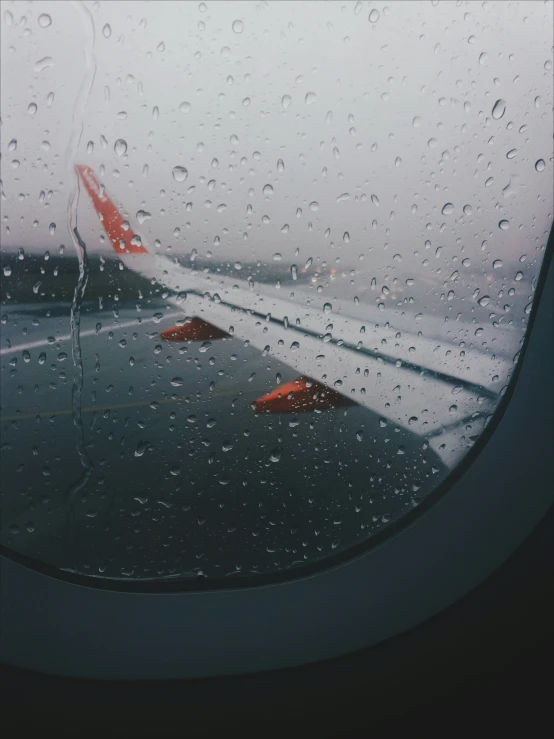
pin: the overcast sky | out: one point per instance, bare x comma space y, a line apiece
398, 107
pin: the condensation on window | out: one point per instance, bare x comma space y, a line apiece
266, 270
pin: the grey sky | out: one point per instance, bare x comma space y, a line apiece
445, 64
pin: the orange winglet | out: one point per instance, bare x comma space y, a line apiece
194, 330
300, 395
124, 241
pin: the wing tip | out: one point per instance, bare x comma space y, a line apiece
123, 240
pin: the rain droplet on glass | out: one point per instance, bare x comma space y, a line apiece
499, 109
180, 174
120, 147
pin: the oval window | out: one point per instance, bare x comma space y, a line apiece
266, 272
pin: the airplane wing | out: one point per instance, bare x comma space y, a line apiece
437, 391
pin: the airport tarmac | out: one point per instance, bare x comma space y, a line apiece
180, 474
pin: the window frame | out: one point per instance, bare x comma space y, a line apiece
450, 544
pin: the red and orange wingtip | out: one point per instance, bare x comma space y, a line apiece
195, 330
121, 238
301, 396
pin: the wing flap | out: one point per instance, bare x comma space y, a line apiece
300, 396
194, 329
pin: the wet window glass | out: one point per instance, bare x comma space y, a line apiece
266, 271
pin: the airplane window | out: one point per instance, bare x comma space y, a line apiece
266, 272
